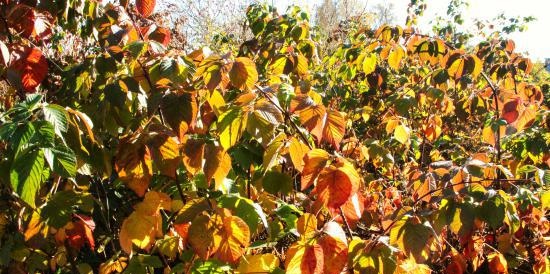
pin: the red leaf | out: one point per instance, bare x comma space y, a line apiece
32, 66
81, 232
161, 35
510, 111
29, 22
145, 7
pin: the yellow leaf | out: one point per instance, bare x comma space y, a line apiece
235, 238
369, 63
205, 235
402, 134
259, 263
409, 266
297, 151
395, 57
113, 266
307, 225
145, 223
243, 74
231, 125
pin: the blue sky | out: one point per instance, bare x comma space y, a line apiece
535, 41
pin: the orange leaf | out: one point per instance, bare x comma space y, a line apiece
133, 164
217, 164
337, 184
145, 7
193, 151
497, 263
235, 238
297, 151
335, 128
304, 258
314, 161
243, 74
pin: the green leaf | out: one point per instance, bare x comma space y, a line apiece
58, 117
246, 209
210, 266
26, 175
58, 210
21, 137
143, 264
412, 237
61, 160
493, 211
275, 182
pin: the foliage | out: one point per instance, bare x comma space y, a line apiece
397, 152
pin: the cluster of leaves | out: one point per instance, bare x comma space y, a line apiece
396, 153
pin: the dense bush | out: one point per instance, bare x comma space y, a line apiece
397, 152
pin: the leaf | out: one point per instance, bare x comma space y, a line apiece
61, 160
325, 125
337, 184
57, 212
243, 74
58, 117
32, 67
251, 212
271, 154
497, 263
297, 150
205, 235
314, 161
371, 257
304, 258
409, 266
29, 22
335, 128
335, 252
402, 134
307, 225
26, 175
165, 150
4, 54
369, 63
275, 182
510, 111
231, 125
395, 57
545, 200
178, 108
145, 7
235, 238
493, 211
145, 223
193, 152
217, 164
259, 263
133, 162
412, 237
